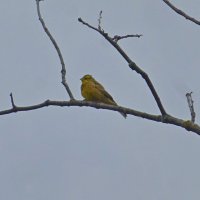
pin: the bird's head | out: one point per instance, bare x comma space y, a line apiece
87, 77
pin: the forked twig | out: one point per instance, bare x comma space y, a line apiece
131, 64
63, 71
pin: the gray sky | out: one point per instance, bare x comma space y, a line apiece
84, 153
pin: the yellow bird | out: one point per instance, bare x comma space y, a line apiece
92, 90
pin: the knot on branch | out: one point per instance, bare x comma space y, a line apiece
188, 125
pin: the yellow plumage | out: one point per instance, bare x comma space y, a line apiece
92, 90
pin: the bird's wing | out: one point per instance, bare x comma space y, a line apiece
97, 84
107, 95
99, 87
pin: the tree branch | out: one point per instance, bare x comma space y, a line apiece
63, 71
132, 65
167, 119
180, 12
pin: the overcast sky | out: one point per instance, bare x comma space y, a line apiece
88, 154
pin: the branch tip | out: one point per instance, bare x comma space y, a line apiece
80, 20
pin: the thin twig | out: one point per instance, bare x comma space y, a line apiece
116, 38
99, 20
180, 12
63, 71
132, 65
191, 106
12, 101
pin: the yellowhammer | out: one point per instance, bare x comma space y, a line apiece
91, 90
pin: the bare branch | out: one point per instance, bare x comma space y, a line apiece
180, 12
132, 65
63, 71
191, 106
158, 118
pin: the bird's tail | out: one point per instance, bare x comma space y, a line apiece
114, 103
123, 114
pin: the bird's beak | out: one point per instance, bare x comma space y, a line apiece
82, 78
